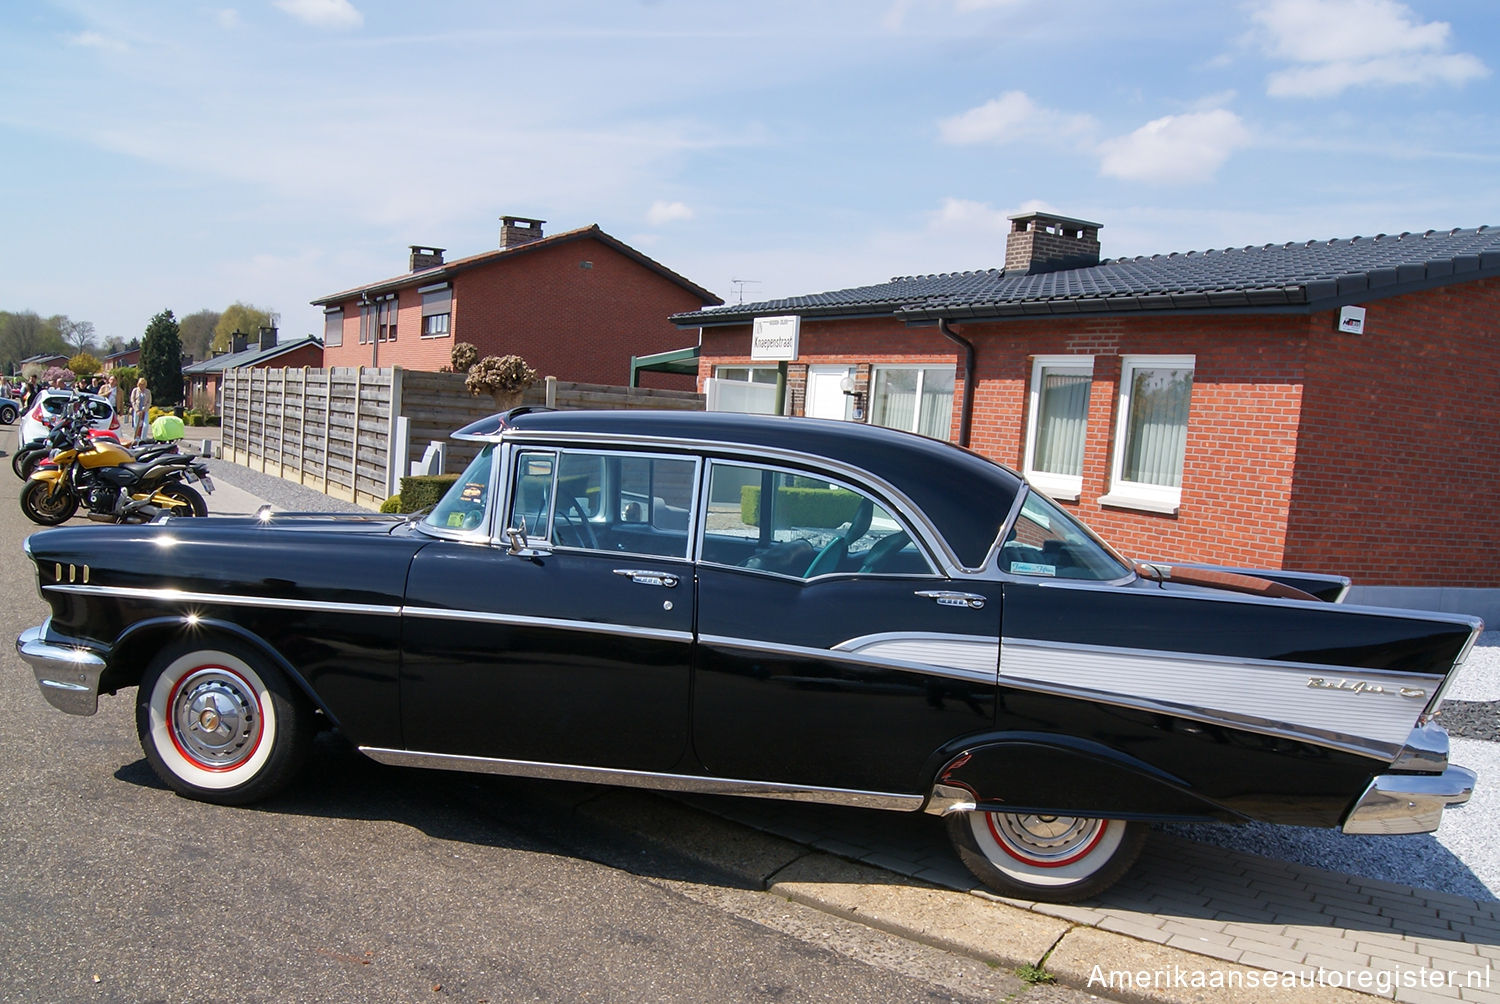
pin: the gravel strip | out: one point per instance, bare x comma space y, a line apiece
280, 492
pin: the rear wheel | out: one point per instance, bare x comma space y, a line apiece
1055, 859
190, 502
48, 509
219, 723
7, 414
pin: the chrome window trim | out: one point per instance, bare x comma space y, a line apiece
935, 565
851, 658
552, 623
762, 455
645, 779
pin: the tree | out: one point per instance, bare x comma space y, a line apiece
161, 359
85, 364
24, 335
243, 318
78, 334
198, 332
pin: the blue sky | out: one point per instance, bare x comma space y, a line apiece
166, 154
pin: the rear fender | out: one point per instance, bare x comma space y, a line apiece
1061, 775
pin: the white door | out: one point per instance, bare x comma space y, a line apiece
825, 398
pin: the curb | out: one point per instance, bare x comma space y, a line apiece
977, 925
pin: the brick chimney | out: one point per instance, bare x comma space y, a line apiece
518, 230
1042, 242
267, 338
239, 341
425, 257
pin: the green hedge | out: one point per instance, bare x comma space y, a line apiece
824, 507
422, 490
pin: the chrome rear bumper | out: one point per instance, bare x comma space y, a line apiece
1409, 803
67, 675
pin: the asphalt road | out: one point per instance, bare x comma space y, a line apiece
367, 883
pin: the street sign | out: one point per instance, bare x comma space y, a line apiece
775, 338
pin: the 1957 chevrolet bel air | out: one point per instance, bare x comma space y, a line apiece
784, 608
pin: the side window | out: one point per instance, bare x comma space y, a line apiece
802, 526
603, 501
1045, 542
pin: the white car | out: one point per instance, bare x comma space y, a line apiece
50, 403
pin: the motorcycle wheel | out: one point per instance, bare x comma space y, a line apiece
39, 508
31, 462
195, 506
18, 460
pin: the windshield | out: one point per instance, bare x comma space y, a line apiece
1048, 543
464, 506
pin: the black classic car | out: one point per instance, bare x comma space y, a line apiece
785, 608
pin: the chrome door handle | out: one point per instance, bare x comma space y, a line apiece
646, 577
945, 598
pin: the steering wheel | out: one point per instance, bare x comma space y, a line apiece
577, 522
828, 559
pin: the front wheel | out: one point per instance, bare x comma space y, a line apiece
1053, 859
219, 723
48, 509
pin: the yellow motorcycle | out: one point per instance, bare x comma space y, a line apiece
106, 479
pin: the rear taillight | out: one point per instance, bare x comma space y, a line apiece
114, 421
37, 414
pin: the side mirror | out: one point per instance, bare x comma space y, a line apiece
519, 547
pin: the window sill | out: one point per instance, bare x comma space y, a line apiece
1056, 490
1116, 500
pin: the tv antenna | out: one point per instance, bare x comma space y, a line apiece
739, 286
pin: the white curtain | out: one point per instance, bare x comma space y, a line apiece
1062, 414
1156, 437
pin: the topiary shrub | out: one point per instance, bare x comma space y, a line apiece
419, 491
392, 504
808, 507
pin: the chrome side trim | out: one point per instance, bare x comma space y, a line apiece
644, 779
975, 658
1290, 700
554, 623
168, 595
1409, 803
897, 651
67, 675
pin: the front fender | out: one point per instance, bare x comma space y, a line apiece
1063, 775
53, 477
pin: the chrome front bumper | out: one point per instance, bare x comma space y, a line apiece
1409, 803
68, 675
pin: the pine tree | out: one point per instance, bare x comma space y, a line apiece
161, 360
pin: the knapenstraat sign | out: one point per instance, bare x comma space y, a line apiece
775, 338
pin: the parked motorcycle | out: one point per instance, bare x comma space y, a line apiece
111, 483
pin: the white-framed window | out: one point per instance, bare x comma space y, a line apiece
1151, 433
1057, 424
333, 326
747, 389
913, 398
437, 310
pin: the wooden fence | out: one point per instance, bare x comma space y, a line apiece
336, 429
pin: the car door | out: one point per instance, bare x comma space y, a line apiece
831, 651
575, 650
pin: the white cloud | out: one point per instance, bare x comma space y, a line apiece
1338, 44
323, 13
1175, 148
95, 40
663, 212
1011, 116
228, 18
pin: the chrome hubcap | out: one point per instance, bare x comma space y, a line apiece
215, 718
1044, 839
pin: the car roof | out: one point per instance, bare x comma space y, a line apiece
968, 498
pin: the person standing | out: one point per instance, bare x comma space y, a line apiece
140, 410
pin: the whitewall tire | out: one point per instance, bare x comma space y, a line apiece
1054, 859
221, 724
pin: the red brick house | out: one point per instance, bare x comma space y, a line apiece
1318, 405
201, 381
576, 305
